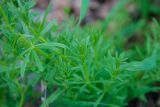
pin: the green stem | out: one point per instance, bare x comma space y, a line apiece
4, 15
22, 100
86, 73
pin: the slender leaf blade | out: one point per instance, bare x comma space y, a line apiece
83, 10
52, 98
48, 27
38, 61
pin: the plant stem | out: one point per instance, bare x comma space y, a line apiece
44, 90
22, 100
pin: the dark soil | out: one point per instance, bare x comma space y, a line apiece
153, 100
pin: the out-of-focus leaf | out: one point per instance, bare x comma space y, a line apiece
145, 65
98, 100
30, 4
113, 12
38, 61
48, 27
3, 14
25, 28
45, 15
144, 7
83, 10
51, 46
24, 64
52, 98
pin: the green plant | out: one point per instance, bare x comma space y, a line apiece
64, 66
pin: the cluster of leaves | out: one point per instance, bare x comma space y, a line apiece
72, 66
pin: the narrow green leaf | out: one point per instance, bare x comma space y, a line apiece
3, 14
45, 16
38, 61
25, 28
98, 100
113, 12
30, 4
144, 7
145, 65
51, 45
52, 97
19, 3
48, 27
24, 65
83, 10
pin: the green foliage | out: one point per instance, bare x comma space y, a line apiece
79, 68
84, 8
